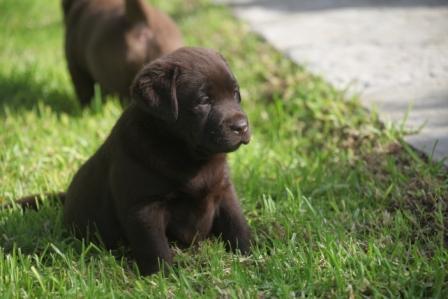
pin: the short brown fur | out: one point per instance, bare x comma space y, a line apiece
162, 176
108, 41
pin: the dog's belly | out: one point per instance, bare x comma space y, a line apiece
190, 221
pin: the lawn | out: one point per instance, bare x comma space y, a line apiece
339, 206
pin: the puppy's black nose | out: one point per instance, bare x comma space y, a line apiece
240, 126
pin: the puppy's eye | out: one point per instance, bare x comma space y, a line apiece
237, 95
205, 100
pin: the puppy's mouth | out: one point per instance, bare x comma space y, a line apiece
232, 147
235, 146
227, 145
245, 139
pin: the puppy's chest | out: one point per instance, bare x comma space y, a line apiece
193, 208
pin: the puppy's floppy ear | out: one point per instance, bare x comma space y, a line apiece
155, 88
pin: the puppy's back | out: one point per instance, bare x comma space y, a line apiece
112, 39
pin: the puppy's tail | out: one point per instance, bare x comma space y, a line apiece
34, 201
135, 11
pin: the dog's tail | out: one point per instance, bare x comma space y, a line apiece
34, 201
135, 11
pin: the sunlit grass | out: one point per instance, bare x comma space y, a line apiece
337, 204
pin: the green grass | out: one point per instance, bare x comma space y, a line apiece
338, 205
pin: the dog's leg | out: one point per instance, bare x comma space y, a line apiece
230, 224
145, 230
83, 83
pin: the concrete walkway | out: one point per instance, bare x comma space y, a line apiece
394, 53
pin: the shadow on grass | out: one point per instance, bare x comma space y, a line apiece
41, 232
22, 91
31, 231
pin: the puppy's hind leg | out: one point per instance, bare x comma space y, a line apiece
83, 83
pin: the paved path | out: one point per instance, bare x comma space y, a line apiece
394, 53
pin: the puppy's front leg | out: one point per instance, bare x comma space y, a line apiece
145, 230
230, 224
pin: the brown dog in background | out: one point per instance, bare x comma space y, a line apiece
162, 176
108, 41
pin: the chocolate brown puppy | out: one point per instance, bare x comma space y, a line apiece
161, 176
108, 41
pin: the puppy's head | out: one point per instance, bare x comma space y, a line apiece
194, 93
